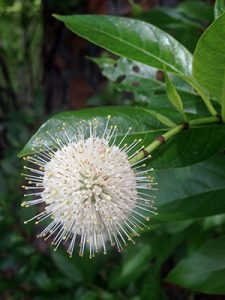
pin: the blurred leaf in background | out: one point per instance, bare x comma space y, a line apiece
182, 255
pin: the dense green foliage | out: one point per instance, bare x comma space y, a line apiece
184, 248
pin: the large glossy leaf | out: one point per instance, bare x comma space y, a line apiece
186, 148
203, 270
191, 192
209, 62
133, 39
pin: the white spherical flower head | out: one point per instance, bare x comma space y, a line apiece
90, 190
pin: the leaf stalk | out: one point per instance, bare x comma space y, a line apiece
171, 133
203, 95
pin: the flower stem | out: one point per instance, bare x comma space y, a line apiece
169, 134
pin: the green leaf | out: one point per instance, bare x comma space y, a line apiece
217, 222
173, 96
141, 80
129, 75
181, 22
91, 295
76, 268
208, 62
196, 10
160, 103
191, 192
163, 119
133, 39
135, 8
188, 147
143, 124
66, 266
153, 291
193, 104
136, 77
203, 270
219, 8
134, 264
223, 110
168, 18
43, 281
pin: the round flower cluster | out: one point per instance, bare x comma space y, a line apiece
89, 189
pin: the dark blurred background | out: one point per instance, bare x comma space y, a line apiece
44, 69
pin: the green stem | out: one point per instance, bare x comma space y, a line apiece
169, 134
207, 120
207, 101
203, 95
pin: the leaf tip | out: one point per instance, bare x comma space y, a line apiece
20, 154
58, 17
